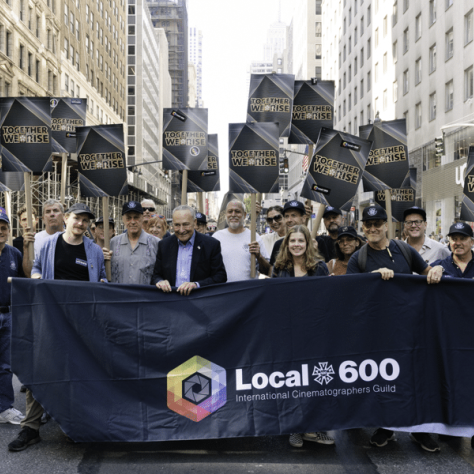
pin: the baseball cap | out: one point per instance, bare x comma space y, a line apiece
460, 228
201, 218
80, 208
333, 210
347, 230
374, 212
130, 206
294, 205
3, 216
100, 220
414, 210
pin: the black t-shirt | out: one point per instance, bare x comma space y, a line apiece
328, 249
70, 261
321, 247
18, 243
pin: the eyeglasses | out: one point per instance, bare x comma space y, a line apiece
277, 218
377, 224
413, 223
151, 209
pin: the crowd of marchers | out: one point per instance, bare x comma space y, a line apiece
190, 258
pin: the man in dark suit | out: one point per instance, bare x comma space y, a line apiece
187, 259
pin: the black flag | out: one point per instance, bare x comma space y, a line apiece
185, 145
253, 157
271, 100
313, 108
25, 133
336, 168
101, 161
388, 159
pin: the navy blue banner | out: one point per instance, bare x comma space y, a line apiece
129, 363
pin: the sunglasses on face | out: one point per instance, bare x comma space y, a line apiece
277, 218
376, 224
151, 209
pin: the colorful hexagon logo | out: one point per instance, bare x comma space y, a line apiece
197, 388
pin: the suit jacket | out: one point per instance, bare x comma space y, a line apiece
207, 266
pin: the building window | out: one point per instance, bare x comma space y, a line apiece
448, 3
318, 51
418, 71
350, 74
395, 14
405, 82
385, 63
362, 118
385, 100
361, 88
376, 38
355, 66
344, 81
468, 21
361, 26
432, 11
30, 64
468, 83
385, 26
405, 41
405, 116
22, 56
38, 24
418, 115
350, 102
376, 78
361, 57
318, 29
369, 81
318, 7
319, 72
433, 106
406, 4
449, 95
355, 35
418, 27
369, 111
395, 51
395, 91
355, 95
449, 44
369, 15
369, 48
433, 58
37, 71
9, 43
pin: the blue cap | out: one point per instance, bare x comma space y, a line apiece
332, 210
3, 216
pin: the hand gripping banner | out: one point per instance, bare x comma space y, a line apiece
67, 113
101, 161
25, 124
313, 108
271, 100
388, 159
185, 143
253, 157
207, 180
245, 359
336, 168
467, 207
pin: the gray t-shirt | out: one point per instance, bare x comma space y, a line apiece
235, 253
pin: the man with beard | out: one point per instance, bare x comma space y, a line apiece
236, 245
277, 224
188, 259
332, 219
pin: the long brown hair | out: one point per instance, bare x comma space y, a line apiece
284, 260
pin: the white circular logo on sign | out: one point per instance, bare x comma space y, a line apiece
459, 226
195, 151
372, 211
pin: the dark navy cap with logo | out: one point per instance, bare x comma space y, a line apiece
3, 216
460, 228
80, 208
100, 220
347, 230
332, 210
375, 212
414, 210
132, 206
294, 205
201, 218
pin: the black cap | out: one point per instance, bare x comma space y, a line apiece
372, 213
347, 230
100, 220
332, 210
201, 218
460, 228
414, 210
130, 206
294, 205
80, 208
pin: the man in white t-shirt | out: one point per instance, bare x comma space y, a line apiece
236, 247
53, 217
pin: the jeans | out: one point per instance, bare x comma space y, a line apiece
6, 376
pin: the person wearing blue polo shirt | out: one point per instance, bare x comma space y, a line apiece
460, 263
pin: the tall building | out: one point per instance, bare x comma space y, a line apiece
146, 88
172, 16
195, 57
410, 60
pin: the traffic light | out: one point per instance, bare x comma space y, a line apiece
284, 165
439, 146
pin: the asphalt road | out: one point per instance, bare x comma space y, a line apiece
352, 454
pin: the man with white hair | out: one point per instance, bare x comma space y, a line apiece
237, 247
149, 209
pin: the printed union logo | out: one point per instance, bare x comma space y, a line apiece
198, 215
372, 212
197, 388
323, 373
195, 151
54, 102
294, 203
132, 205
459, 226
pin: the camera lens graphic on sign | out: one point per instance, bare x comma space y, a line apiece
197, 388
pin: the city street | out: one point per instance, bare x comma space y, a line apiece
351, 454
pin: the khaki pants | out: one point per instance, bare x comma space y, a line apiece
34, 412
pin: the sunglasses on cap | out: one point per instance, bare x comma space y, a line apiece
277, 218
151, 209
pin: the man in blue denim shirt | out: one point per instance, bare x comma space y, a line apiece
64, 256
